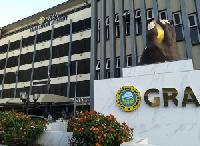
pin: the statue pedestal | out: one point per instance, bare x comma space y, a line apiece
167, 67
166, 126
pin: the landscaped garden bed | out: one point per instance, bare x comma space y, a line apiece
19, 129
94, 128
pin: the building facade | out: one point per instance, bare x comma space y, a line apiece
118, 32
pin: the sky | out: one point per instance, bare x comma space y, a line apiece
14, 10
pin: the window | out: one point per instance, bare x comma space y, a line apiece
98, 75
118, 67
138, 22
194, 31
138, 58
178, 26
108, 74
98, 32
150, 15
117, 25
179, 33
108, 69
98, 65
107, 27
137, 14
108, 64
98, 70
118, 63
192, 20
162, 14
194, 35
177, 18
127, 22
129, 61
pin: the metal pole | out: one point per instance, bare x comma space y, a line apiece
17, 73
197, 4
102, 39
93, 52
50, 60
155, 9
69, 59
122, 36
132, 33
32, 72
186, 29
5, 69
75, 89
112, 38
27, 104
144, 21
169, 11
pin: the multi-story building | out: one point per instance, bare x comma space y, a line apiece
35, 52
48, 52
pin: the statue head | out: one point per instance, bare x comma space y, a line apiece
161, 43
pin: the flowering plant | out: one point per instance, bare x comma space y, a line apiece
19, 129
93, 128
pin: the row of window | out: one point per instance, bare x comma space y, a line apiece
82, 89
177, 21
128, 64
78, 47
58, 32
57, 70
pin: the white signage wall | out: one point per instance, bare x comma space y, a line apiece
163, 125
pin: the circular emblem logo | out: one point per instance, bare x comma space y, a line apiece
41, 20
128, 98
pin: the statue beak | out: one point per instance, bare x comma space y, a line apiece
161, 33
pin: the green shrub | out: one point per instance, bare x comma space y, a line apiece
18, 129
93, 128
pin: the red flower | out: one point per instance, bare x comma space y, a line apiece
112, 116
124, 123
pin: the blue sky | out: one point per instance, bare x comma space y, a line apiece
14, 10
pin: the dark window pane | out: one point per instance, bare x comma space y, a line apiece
108, 64
194, 34
129, 61
179, 33
108, 74
177, 18
128, 24
150, 15
137, 14
192, 20
118, 72
163, 15
139, 29
117, 30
